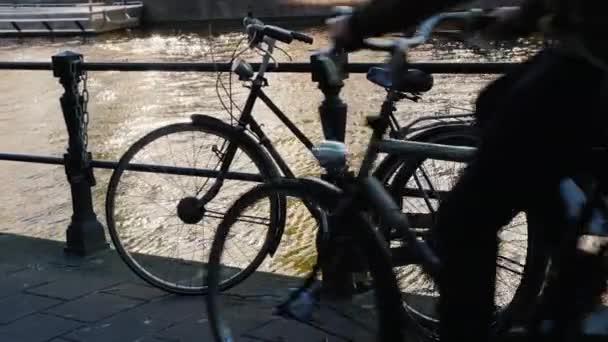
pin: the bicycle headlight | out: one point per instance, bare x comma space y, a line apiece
243, 69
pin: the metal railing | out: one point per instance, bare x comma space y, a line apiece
85, 234
433, 68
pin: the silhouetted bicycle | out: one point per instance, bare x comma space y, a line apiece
172, 187
375, 235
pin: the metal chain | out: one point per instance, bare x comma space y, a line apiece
84, 102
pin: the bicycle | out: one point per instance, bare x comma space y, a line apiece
374, 222
578, 276
159, 220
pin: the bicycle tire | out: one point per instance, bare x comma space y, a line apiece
398, 171
326, 196
265, 166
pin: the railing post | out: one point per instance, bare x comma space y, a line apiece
85, 234
337, 269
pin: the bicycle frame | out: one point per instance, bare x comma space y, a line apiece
414, 149
368, 191
247, 120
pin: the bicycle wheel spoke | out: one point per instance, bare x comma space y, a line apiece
198, 191
172, 200
169, 211
175, 251
422, 186
426, 199
167, 177
220, 160
195, 152
150, 185
170, 146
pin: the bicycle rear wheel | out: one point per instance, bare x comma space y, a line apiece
156, 178
290, 285
419, 186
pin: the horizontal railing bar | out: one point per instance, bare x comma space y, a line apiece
434, 68
106, 164
30, 158
26, 66
182, 171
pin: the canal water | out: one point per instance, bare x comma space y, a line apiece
126, 105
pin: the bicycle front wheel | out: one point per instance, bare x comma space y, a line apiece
290, 287
158, 228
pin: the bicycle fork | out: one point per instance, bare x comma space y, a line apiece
192, 209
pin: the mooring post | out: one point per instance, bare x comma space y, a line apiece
85, 234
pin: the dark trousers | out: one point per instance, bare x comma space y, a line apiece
538, 122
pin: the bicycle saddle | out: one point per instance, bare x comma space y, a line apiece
411, 81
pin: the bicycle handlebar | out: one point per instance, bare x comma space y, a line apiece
425, 30
275, 32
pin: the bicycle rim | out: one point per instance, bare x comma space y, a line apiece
141, 207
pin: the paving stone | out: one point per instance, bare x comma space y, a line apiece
157, 339
142, 321
74, 285
21, 305
134, 325
8, 268
137, 291
174, 308
354, 324
190, 330
245, 316
349, 321
198, 329
94, 307
36, 328
13, 283
287, 330
115, 306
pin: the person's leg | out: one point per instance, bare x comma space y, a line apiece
535, 135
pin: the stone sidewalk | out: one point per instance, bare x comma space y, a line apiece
46, 296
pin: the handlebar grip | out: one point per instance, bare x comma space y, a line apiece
252, 21
278, 33
302, 37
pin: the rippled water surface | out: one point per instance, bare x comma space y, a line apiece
126, 105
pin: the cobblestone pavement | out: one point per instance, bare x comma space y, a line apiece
48, 296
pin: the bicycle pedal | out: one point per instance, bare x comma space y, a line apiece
300, 308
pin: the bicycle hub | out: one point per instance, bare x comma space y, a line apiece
190, 211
